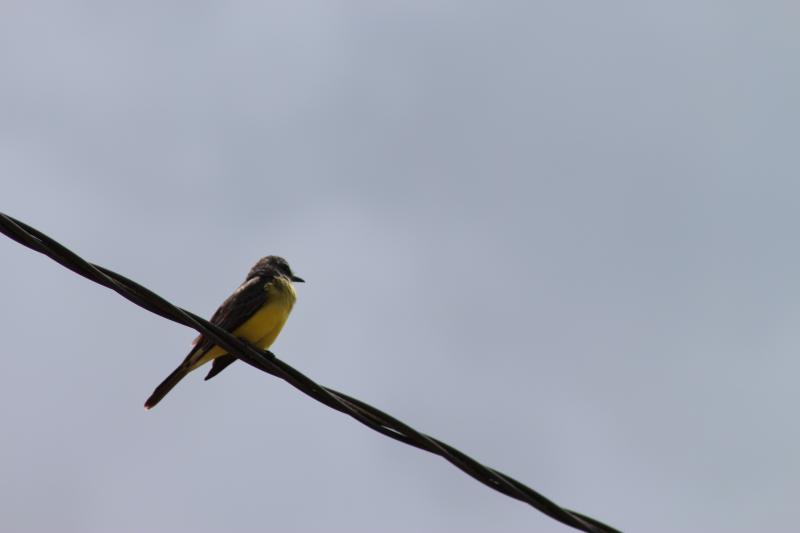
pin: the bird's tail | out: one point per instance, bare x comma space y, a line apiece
166, 386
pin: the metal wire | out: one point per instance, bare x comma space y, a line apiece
267, 362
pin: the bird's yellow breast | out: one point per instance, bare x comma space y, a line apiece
263, 327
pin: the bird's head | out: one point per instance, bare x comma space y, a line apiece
272, 264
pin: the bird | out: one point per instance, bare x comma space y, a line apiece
255, 313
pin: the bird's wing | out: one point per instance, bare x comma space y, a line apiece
248, 298
219, 364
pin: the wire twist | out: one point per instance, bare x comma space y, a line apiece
267, 362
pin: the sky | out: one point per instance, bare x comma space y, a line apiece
560, 236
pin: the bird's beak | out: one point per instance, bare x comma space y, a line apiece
297, 279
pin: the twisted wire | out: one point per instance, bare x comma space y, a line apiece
267, 362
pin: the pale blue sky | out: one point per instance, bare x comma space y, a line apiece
561, 236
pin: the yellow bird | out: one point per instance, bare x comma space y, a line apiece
255, 312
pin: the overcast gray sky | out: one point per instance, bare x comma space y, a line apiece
559, 235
